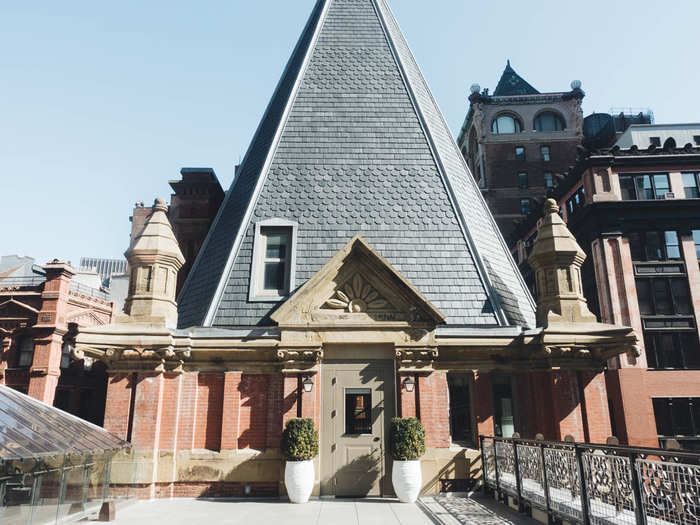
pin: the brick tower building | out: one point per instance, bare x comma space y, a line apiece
518, 142
353, 274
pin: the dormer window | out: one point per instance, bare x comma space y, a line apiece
272, 272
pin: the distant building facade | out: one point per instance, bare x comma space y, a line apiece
38, 304
518, 142
635, 209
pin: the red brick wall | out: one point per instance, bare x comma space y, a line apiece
407, 400
596, 403
253, 418
171, 410
567, 409
230, 415
147, 411
118, 404
290, 396
434, 409
274, 410
210, 399
186, 418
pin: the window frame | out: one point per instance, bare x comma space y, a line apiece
518, 126
21, 352
651, 175
525, 202
669, 417
557, 117
548, 156
696, 178
548, 179
521, 157
257, 293
523, 180
466, 406
643, 246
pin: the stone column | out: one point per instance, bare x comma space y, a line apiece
231, 411
145, 434
5, 344
118, 404
690, 258
483, 404
46, 368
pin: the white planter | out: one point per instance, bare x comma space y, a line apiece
407, 480
299, 480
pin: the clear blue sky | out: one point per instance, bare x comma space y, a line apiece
101, 103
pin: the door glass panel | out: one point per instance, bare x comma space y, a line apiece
358, 411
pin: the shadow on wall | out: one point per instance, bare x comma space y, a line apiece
357, 478
460, 474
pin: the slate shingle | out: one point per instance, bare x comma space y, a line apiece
354, 158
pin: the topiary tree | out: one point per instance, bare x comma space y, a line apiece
407, 438
299, 440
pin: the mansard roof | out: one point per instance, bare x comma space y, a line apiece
353, 143
513, 84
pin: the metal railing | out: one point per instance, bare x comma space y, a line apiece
89, 291
22, 282
595, 484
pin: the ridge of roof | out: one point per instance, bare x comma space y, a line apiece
512, 84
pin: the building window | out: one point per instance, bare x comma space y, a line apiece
358, 411
696, 139
524, 206
549, 121
678, 418
504, 424
696, 240
672, 350
644, 187
519, 153
272, 276
691, 185
25, 356
663, 296
655, 141
460, 409
654, 246
522, 181
66, 350
506, 124
544, 150
548, 180
576, 201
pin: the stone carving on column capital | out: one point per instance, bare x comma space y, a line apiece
308, 355
420, 354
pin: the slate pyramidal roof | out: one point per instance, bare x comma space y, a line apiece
353, 143
513, 84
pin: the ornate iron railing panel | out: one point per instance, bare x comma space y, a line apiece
531, 474
488, 461
563, 482
670, 492
608, 480
505, 456
597, 484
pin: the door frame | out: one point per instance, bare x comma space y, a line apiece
327, 475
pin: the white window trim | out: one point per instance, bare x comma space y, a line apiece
255, 291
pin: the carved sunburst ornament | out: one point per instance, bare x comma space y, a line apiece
356, 296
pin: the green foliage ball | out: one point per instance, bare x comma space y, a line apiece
407, 438
299, 440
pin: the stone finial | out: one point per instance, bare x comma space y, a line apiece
556, 259
154, 260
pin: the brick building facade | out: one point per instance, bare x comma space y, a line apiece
37, 306
635, 209
353, 274
518, 142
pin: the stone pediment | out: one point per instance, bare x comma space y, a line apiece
357, 287
12, 306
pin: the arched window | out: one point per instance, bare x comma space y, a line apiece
506, 124
670, 144
549, 121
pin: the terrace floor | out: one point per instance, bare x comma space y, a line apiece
437, 510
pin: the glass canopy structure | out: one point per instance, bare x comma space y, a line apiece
53, 465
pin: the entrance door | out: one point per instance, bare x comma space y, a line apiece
357, 404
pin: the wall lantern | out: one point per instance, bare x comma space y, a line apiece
308, 384
409, 384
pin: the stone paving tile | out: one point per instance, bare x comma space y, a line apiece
475, 510
438, 510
